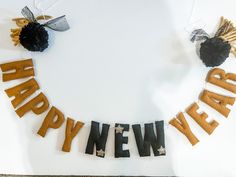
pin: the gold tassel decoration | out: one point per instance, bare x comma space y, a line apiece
227, 32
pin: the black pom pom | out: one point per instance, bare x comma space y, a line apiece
214, 51
34, 37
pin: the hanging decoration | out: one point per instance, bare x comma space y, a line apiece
215, 50
31, 34
153, 137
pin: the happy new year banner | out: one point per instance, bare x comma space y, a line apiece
152, 137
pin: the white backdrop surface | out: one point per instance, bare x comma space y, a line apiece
122, 61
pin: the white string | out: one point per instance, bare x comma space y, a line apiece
191, 25
192, 11
38, 6
190, 16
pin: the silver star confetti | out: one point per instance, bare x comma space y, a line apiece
161, 150
119, 129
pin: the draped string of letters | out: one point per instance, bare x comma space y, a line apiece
152, 137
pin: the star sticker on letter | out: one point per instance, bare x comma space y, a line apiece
101, 153
119, 129
161, 150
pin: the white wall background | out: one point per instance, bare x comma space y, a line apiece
122, 61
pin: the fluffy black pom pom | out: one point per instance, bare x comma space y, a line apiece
214, 51
34, 37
